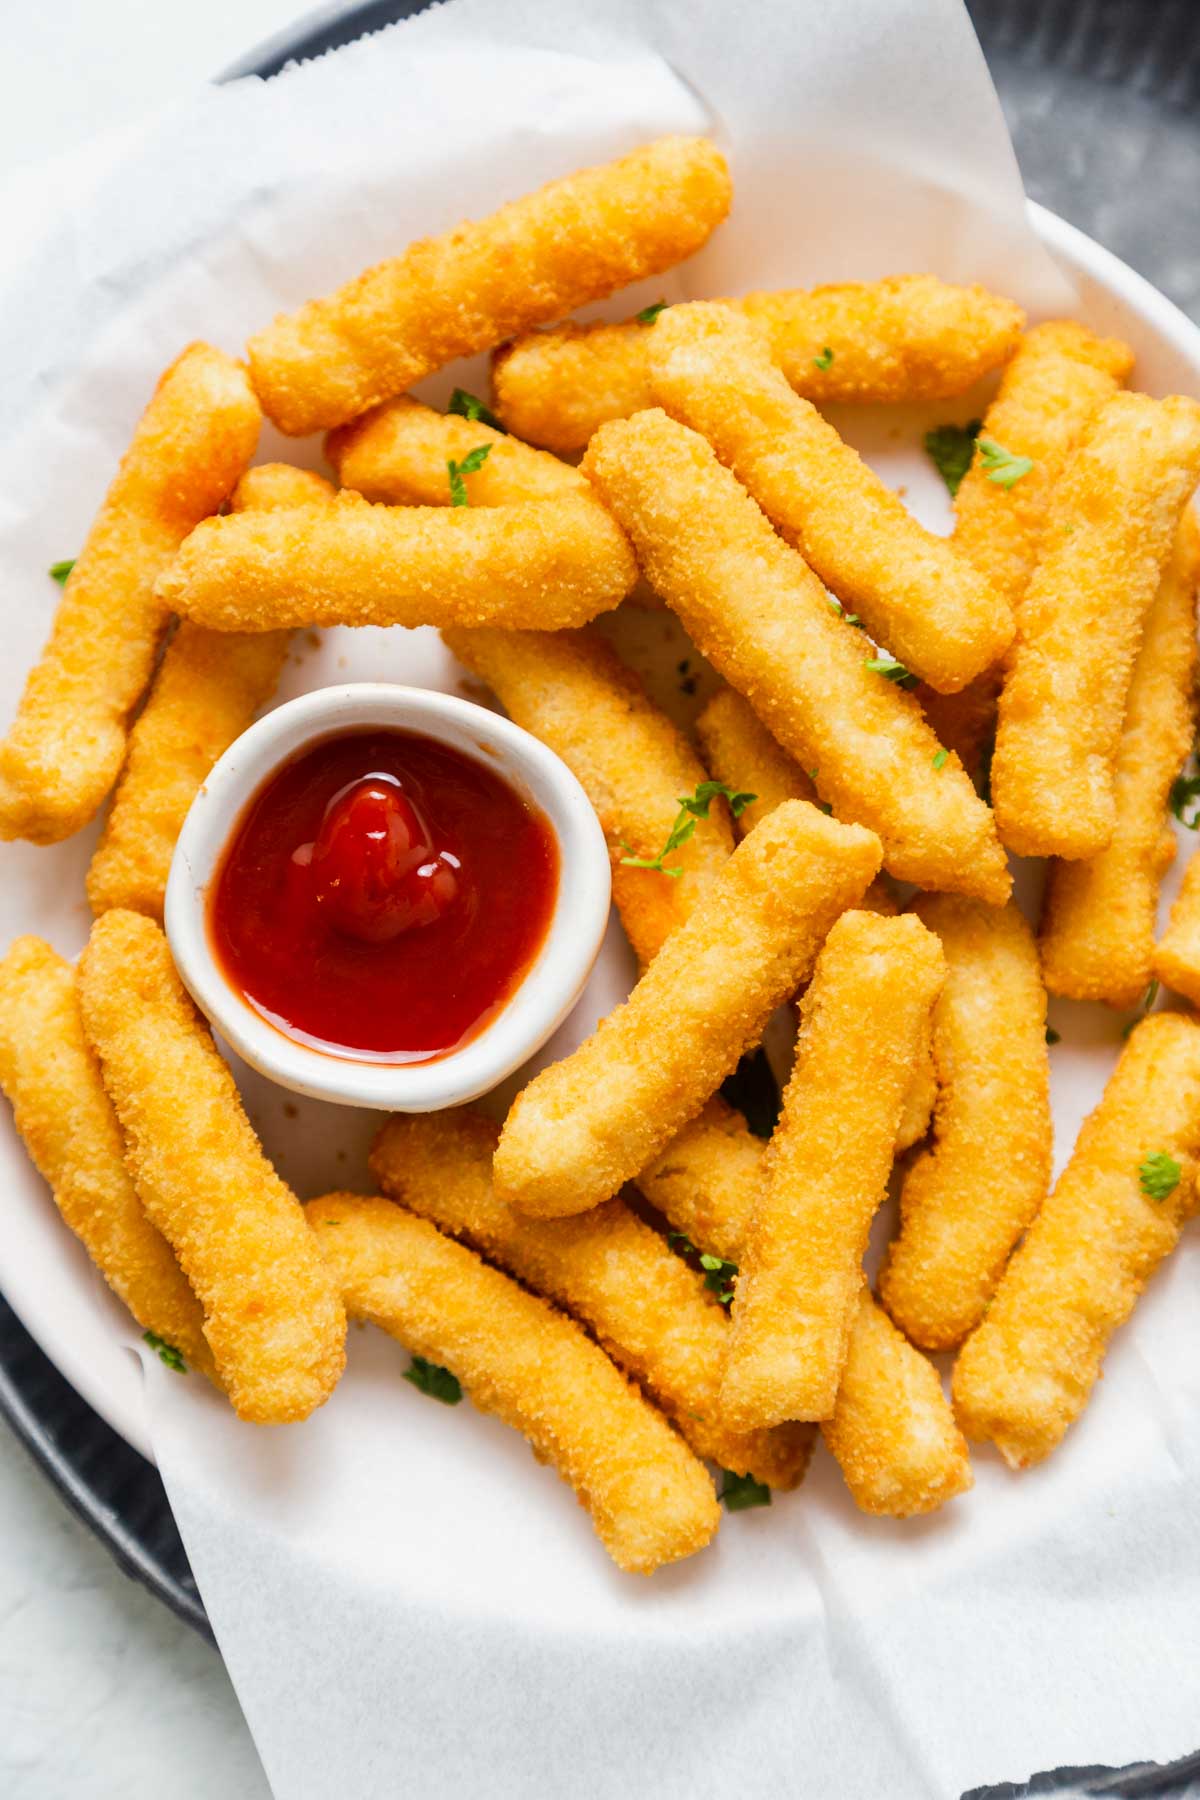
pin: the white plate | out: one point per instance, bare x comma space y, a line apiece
44, 1273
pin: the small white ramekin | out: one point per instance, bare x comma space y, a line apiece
544, 997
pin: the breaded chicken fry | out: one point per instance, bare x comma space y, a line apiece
399, 453
526, 566
758, 613
70, 1130
1060, 374
967, 1199
1177, 957
275, 1324
574, 693
894, 1436
827, 1168
207, 690
1117, 1210
741, 752
570, 242
589, 1123
650, 1501
911, 337
608, 1268
1108, 538
892, 1429
66, 744
1099, 915
712, 371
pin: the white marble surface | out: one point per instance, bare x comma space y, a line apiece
103, 1694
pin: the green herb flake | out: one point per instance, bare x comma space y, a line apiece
839, 609
941, 759
1145, 1003
648, 314
471, 462
740, 1492
719, 1276
166, 1353
60, 570
1000, 465
468, 406
1159, 1175
1185, 792
950, 449
824, 359
890, 669
691, 807
1052, 1036
430, 1378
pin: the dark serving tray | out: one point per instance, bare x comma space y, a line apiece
1103, 100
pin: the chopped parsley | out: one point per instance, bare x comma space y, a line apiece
839, 609
648, 314
691, 807
740, 1492
166, 1353
430, 1378
473, 460
1185, 791
719, 1273
1052, 1036
1000, 465
60, 570
1144, 1005
950, 449
467, 406
1159, 1175
941, 758
890, 669
824, 359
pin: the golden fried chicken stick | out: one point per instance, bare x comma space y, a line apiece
759, 614
1059, 375
712, 370
275, 1324
69, 1128
570, 242
526, 566
1108, 537
1177, 957
910, 337
740, 751
1117, 1210
589, 1123
574, 693
1099, 915
827, 1168
650, 1501
892, 1430
65, 747
967, 1198
607, 1267
206, 692
399, 453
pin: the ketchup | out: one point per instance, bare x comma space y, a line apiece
383, 895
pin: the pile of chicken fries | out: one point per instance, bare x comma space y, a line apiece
624, 1271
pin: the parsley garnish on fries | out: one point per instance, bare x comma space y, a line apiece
430, 1378
60, 570
890, 669
1159, 1175
648, 314
950, 449
691, 807
1000, 464
740, 1492
468, 406
473, 460
166, 1353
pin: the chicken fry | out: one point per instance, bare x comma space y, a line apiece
712, 371
1099, 915
399, 453
911, 337
571, 242
827, 1169
1108, 538
647, 1308
207, 690
1177, 957
892, 1430
574, 693
650, 1501
1058, 377
274, 1323
589, 1123
967, 1199
69, 1128
66, 745
524, 566
1027, 1372
763, 619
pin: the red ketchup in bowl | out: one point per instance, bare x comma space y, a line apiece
383, 895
